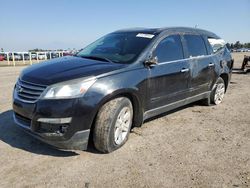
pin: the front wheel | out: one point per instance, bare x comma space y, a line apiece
113, 124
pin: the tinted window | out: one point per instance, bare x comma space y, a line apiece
169, 49
195, 45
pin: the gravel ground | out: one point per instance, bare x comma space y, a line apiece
194, 146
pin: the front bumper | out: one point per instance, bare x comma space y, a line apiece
63, 134
79, 141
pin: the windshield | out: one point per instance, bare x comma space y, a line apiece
118, 47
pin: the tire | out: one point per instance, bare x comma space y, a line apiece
220, 84
218, 92
113, 124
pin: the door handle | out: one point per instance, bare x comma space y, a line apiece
184, 70
211, 64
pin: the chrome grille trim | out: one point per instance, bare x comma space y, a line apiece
29, 92
31, 86
27, 96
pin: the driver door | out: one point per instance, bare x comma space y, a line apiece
168, 80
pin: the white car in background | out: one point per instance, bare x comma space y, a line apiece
42, 56
33, 56
17, 56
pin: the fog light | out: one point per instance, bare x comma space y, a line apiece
55, 120
63, 128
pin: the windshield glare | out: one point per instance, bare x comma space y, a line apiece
118, 47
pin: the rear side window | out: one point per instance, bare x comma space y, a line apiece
169, 49
195, 45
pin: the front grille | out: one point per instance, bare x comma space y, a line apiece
29, 92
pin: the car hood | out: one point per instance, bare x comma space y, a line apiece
66, 68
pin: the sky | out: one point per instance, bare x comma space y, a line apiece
63, 24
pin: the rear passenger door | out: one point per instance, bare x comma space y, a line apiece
200, 63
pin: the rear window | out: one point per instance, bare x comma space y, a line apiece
195, 45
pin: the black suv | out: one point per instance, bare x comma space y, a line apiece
117, 82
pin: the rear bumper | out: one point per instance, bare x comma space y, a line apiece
79, 140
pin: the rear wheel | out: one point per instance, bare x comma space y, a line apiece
219, 92
113, 124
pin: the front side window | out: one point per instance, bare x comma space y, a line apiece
169, 49
195, 45
122, 47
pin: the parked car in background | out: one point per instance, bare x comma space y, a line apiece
42, 56
26, 57
67, 54
119, 81
242, 50
5, 57
17, 57
33, 56
54, 55
2, 56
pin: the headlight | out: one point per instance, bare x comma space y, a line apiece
69, 89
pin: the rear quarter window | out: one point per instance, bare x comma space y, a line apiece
195, 45
216, 44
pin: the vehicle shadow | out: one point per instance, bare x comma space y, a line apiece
15, 137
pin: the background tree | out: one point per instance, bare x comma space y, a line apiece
247, 45
237, 45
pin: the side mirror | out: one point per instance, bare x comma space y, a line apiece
151, 62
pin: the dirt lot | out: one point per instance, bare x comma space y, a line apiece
195, 146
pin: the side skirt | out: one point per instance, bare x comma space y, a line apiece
156, 111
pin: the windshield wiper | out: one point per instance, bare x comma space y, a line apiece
96, 58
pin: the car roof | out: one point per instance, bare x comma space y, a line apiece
170, 29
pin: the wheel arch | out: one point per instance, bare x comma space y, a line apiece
225, 77
133, 96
